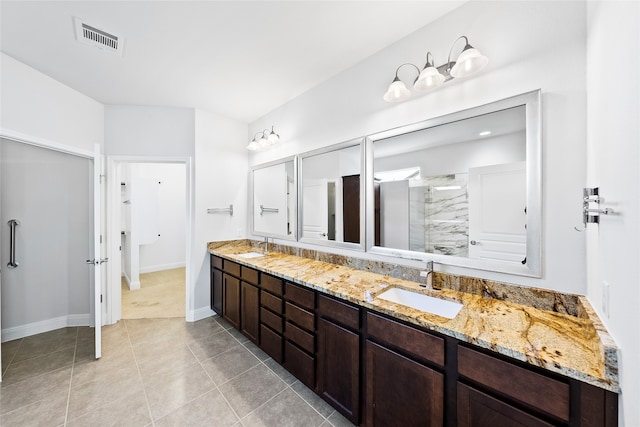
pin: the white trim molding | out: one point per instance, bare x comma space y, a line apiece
34, 328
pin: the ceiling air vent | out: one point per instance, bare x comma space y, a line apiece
101, 39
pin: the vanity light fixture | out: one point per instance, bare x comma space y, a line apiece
469, 62
265, 140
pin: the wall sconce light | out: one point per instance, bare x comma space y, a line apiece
469, 62
265, 140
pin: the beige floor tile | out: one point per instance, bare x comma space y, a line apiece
45, 343
252, 389
168, 392
337, 420
35, 366
312, 399
44, 413
280, 371
35, 389
210, 409
230, 364
89, 396
153, 361
286, 409
130, 410
141, 330
116, 363
217, 343
9, 350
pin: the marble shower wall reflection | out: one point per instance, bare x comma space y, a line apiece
439, 215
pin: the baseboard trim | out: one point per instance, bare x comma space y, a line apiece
134, 285
34, 328
153, 268
201, 313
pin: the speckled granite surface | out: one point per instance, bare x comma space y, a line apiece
560, 333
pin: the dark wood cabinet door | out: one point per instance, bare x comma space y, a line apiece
338, 379
400, 391
476, 409
216, 291
231, 300
250, 311
351, 208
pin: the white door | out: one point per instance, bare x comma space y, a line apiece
51, 194
98, 261
315, 209
497, 212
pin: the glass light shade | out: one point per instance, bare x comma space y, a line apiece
263, 141
253, 145
469, 62
429, 78
397, 91
273, 138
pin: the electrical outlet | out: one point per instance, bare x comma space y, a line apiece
605, 298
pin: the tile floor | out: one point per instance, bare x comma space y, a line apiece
154, 372
161, 294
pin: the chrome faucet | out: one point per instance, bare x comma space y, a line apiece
266, 245
428, 273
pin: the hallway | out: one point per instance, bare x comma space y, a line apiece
154, 372
161, 295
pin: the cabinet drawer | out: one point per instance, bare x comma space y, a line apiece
299, 316
300, 364
342, 313
410, 340
301, 296
523, 385
231, 267
272, 320
302, 338
271, 343
271, 284
216, 262
271, 302
249, 275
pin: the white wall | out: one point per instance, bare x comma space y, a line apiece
613, 155
530, 45
169, 248
37, 105
148, 131
221, 175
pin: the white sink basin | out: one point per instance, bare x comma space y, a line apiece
251, 255
422, 302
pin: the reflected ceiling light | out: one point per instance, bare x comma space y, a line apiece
264, 141
469, 61
485, 133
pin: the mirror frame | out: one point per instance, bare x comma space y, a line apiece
293, 235
332, 243
533, 267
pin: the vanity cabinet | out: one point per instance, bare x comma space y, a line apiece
338, 356
403, 385
216, 284
299, 333
378, 370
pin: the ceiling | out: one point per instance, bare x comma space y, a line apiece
237, 58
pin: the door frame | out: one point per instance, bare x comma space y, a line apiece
93, 155
112, 304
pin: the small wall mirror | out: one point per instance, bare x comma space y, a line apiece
331, 199
462, 189
275, 199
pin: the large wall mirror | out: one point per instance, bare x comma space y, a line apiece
274, 199
331, 202
462, 189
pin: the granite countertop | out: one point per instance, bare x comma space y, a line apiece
578, 347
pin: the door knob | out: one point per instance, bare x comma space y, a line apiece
473, 242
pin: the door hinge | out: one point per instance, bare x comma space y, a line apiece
120, 248
101, 239
100, 298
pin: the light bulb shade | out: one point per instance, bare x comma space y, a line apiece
469, 62
397, 91
429, 78
273, 138
253, 145
263, 142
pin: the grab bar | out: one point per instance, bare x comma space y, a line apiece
12, 243
228, 210
263, 210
